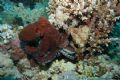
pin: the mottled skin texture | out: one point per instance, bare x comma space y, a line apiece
51, 40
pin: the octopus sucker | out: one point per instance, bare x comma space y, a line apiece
43, 42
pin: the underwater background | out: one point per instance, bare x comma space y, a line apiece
59, 40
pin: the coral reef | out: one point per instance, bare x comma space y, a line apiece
7, 67
94, 68
80, 35
10, 43
11, 11
74, 11
99, 16
29, 3
64, 66
117, 13
6, 33
28, 15
68, 75
85, 27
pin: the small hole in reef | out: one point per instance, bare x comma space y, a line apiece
116, 45
49, 78
87, 45
70, 38
76, 45
86, 52
61, 30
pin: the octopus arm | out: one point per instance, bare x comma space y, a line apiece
44, 45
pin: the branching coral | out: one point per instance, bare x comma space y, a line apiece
14, 50
27, 14
7, 67
100, 29
65, 66
11, 11
74, 11
98, 16
9, 42
6, 33
117, 9
80, 35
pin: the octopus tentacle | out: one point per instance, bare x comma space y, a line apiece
68, 54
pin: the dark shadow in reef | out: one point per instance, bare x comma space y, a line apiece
114, 47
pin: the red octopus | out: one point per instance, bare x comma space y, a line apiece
43, 43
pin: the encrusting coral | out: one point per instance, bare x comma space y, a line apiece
42, 42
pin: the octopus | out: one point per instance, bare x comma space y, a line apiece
43, 43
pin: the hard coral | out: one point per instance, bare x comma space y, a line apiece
97, 15
41, 41
80, 35
13, 48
